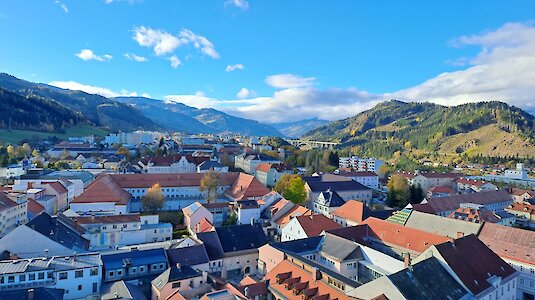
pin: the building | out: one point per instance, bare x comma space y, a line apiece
78, 275
211, 165
476, 267
515, 246
475, 214
171, 164
269, 174
220, 211
440, 191
13, 213
360, 164
465, 185
142, 265
428, 180
307, 226
179, 279
104, 196
351, 213
249, 162
194, 256
196, 217
525, 214
492, 200
366, 178
345, 187
12, 171
518, 173
248, 212
327, 202
122, 291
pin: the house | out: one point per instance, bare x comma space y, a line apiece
194, 215
34, 209
171, 164
194, 256
366, 178
13, 213
78, 275
208, 165
474, 214
525, 214
465, 185
307, 226
515, 246
440, 191
176, 279
249, 162
11, 171
269, 174
521, 195
345, 187
121, 290
351, 213
476, 267
326, 202
220, 211
113, 231
491, 200
427, 279
34, 293
246, 187
285, 214
103, 196
428, 180
55, 235
60, 194
248, 212
142, 265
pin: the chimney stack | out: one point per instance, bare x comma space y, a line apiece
31, 294
406, 260
246, 292
178, 266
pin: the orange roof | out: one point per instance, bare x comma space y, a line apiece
402, 236
520, 192
263, 167
314, 288
509, 242
521, 207
104, 189
474, 215
35, 207
470, 181
204, 226
352, 210
442, 190
168, 179
246, 186
295, 211
314, 225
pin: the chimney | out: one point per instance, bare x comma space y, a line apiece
31, 294
246, 292
46, 253
30, 186
178, 266
316, 274
406, 260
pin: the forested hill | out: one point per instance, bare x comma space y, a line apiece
486, 128
34, 113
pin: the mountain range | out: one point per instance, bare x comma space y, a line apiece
482, 128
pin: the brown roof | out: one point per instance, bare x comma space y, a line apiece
58, 187
215, 205
104, 189
35, 207
453, 202
520, 192
526, 208
168, 179
246, 186
402, 236
440, 175
470, 181
254, 289
314, 225
442, 190
264, 167
130, 218
509, 242
295, 211
474, 215
5, 202
472, 262
353, 210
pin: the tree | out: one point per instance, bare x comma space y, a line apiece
209, 184
416, 194
35, 153
61, 165
295, 191
153, 199
383, 171
124, 152
283, 183
398, 191
10, 150
225, 159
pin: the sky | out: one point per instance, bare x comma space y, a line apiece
276, 61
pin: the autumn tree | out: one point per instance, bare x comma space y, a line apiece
209, 185
295, 191
153, 199
398, 191
283, 183
124, 152
383, 171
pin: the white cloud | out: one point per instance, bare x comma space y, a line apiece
135, 57
164, 42
62, 5
243, 4
244, 93
175, 62
286, 81
76, 86
88, 54
231, 68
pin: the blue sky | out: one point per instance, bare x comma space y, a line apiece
291, 59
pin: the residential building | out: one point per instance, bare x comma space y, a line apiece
366, 178
13, 212
307, 226
12, 171
345, 187
327, 202
476, 267
521, 196
142, 265
269, 174
249, 162
194, 256
428, 180
121, 290
179, 279
196, 216
440, 191
104, 196
465, 185
220, 211
491, 200
171, 164
211, 165
515, 246
475, 214
283, 212
248, 212
360, 164
525, 214
351, 213
78, 275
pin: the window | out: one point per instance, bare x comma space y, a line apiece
79, 287
111, 273
78, 273
133, 270
93, 272
30, 277
95, 287
154, 267
119, 272
161, 266
10, 279
41, 275
62, 275
22, 278
176, 285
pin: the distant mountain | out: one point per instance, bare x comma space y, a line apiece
101, 111
180, 117
297, 129
486, 128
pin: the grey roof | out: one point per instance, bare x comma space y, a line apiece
121, 290
331, 198
421, 282
174, 274
56, 263
260, 157
339, 248
441, 225
241, 237
504, 215
38, 293
191, 256
322, 183
136, 258
442, 204
61, 230
212, 245
209, 164
300, 246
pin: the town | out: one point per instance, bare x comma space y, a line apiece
151, 215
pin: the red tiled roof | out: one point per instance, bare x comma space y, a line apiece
314, 225
130, 218
509, 242
168, 180
295, 211
472, 262
353, 210
246, 186
35, 207
402, 236
58, 187
520, 192
168, 160
204, 226
104, 189
521, 207
254, 289
463, 180
264, 167
474, 215
442, 190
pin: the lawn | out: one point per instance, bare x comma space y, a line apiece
15, 136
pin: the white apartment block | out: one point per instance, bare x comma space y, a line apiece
360, 164
13, 212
